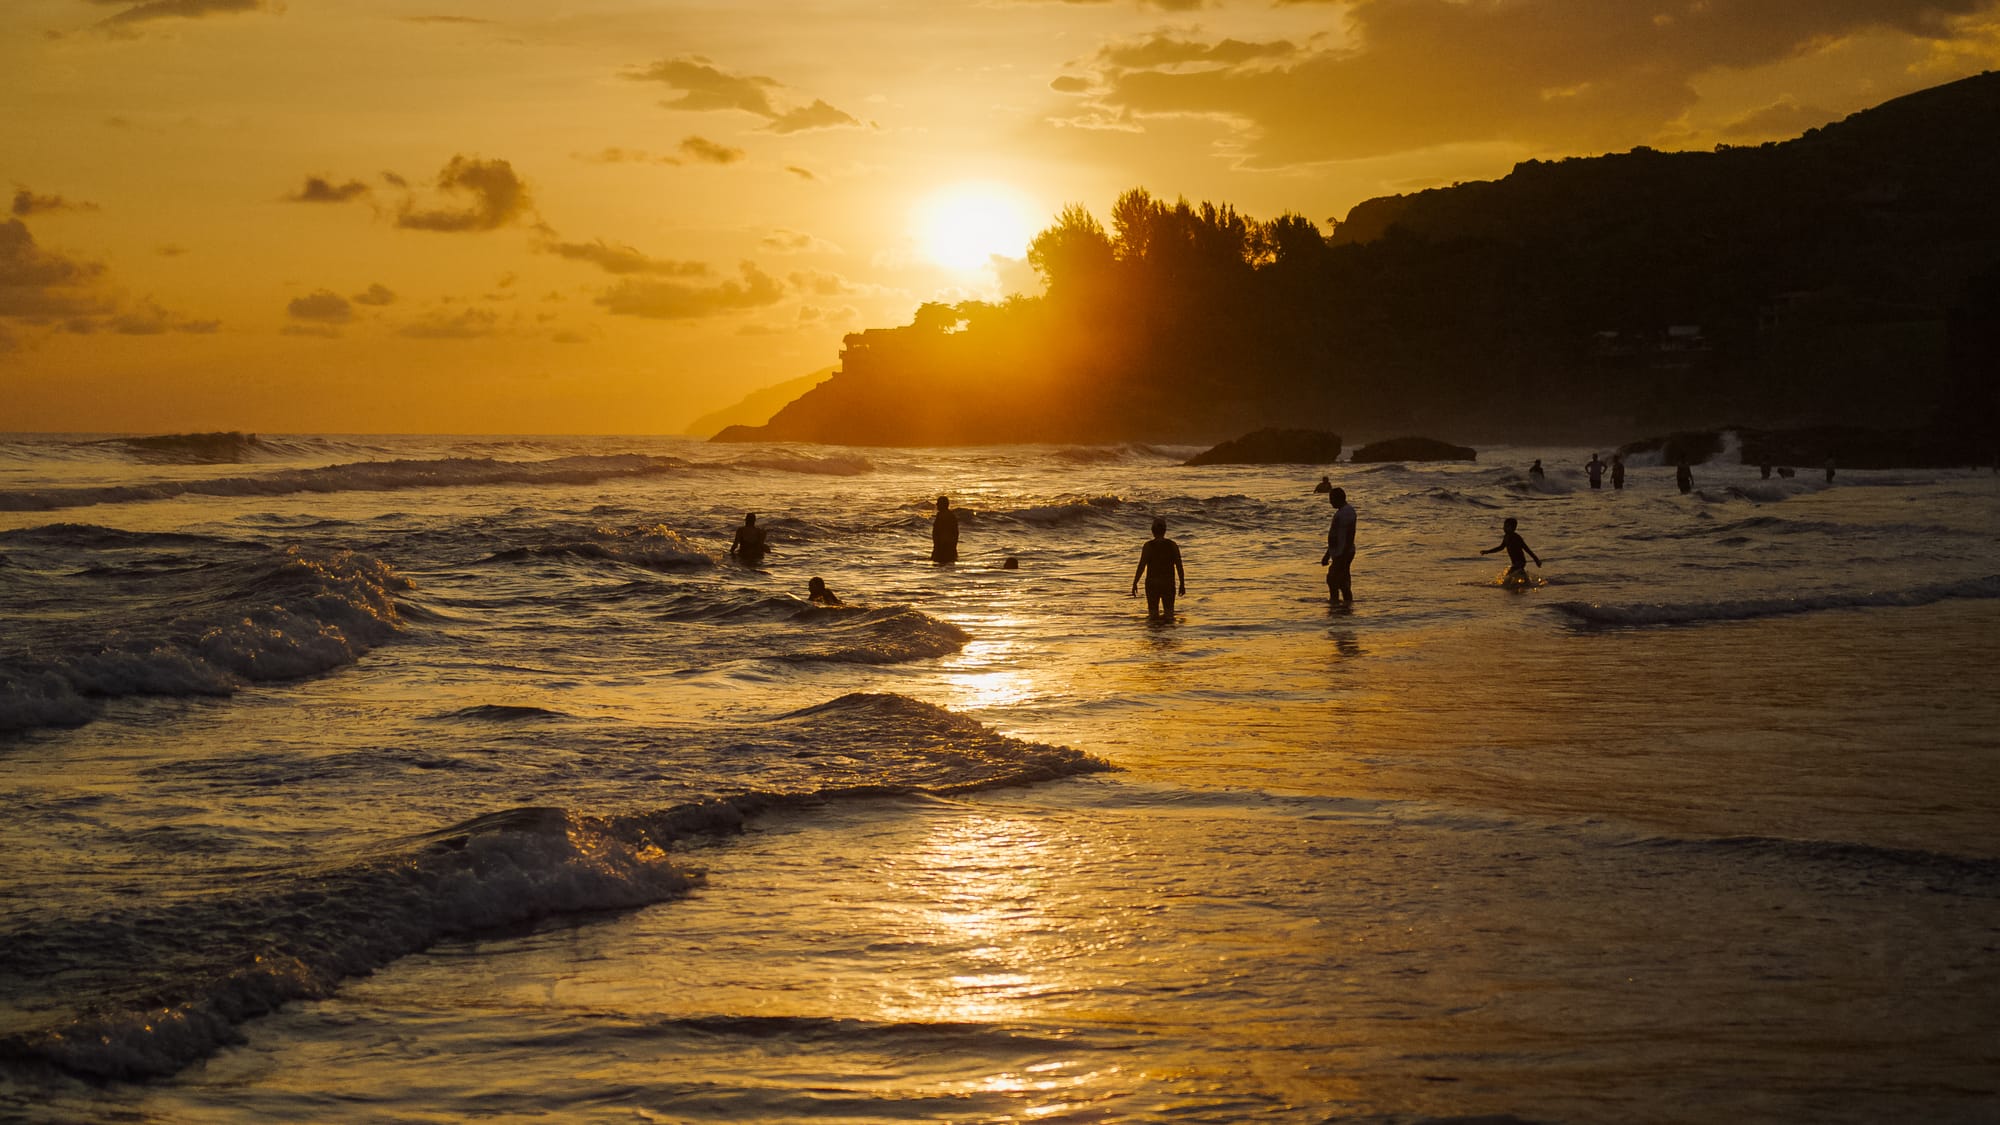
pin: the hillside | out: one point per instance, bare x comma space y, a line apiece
757, 407
1846, 276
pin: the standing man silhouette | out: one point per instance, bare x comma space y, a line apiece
1339, 557
944, 533
1596, 469
1160, 563
1618, 471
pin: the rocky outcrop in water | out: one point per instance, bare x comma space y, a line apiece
1274, 447
1415, 449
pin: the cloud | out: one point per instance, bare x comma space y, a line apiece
1550, 73
322, 306
150, 10
622, 259
498, 197
38, 283
568, 337
375, 295
1782, 118
322, 189
1069, 84
623, 156
671, 300
469, 324
782, 241
819, 283
446, 19
27, 203
152, 320
818, 115
709, 152
801, 173
704, 87
1166, 50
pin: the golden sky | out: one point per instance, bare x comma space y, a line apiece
615, 215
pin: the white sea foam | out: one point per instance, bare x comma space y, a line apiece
1744, 609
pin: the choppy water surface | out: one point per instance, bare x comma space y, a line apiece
426, 778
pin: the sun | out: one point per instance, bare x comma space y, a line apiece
963, 226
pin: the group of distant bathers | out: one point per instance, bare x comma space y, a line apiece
1165, 576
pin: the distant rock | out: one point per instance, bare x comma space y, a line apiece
1415, 449
1274, 447
1857, 447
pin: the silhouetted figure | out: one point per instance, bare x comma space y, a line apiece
1011, 564
818, 594
1785, 471
748, 547
1829, 470
1515, 546
1764, 471
1339, 557
1535, 471
1596, 469
1160, 564
1684, 476
1325, 485
944, 533
1618, 471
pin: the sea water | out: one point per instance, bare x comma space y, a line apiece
431, 778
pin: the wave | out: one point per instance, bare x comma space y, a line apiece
304, 614
219, 447
504, 713
357, 476
657, 548
1062, 511
1840, 853
1453, 496
831, 466
151, 991
1691, 613
887, 635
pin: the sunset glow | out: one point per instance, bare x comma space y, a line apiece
634, 213
965, 227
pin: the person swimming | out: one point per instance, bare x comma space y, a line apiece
1160, 564
1518, 551
748, 547
818, 594
1535, 471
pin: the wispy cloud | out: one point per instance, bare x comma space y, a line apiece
672, 300
466, 324
376, 295
322, 189
28, 203
322, 306
705, 151
150, 10
704, 87
613, 258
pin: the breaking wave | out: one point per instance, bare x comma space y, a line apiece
149, 991
357, 476
1745, 609
258, 620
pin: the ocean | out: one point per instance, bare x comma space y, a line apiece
432, 778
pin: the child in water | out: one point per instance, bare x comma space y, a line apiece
1160, 564
1516, 547
818, 594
